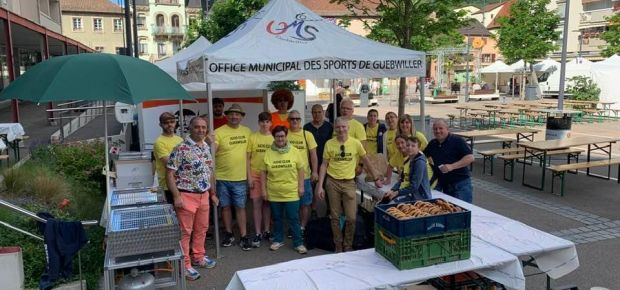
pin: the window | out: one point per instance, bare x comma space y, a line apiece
77, 23
99, 48
159, 20
488, 57
141, 22
98, 24
161, 49
176, 46
118, 25
175, 21
143, 48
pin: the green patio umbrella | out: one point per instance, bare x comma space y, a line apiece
94, 77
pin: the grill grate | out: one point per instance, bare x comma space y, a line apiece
134, 197
141, 217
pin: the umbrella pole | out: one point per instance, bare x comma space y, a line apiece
106, 152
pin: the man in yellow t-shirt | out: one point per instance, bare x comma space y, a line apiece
356, 129
230, 147
163, 147
305, 143
340, 159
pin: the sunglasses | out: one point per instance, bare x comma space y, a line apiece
294, 119
342, 151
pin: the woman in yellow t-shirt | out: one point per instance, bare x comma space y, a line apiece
282, 177
259, 142
391, 120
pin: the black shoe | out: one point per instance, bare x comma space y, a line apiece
228, 239
267, 236
256, 241
245, 244
289, 234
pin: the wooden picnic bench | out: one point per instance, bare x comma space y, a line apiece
594, 143
511, 159
489, 155
561, 169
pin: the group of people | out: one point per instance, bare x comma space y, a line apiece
288, 169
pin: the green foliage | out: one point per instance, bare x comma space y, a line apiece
56, 172
80, 161
611, 36
291, 85
223, 18
583, 88
530, 31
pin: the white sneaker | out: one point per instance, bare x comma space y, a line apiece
276, 245
301, 249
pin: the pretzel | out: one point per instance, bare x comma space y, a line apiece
422, 209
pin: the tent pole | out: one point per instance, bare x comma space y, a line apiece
216, 222
181, 120
334, 100
422, 108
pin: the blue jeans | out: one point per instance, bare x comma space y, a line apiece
291, 209
232, 193
306, 199
461, 190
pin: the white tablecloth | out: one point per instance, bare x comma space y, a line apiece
554, 256
12, 130
366, 269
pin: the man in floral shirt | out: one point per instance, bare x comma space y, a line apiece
190, 179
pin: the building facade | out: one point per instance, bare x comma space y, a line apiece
96, 23
162, 25
30, 32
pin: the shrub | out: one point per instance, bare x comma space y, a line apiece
15, 182
583, 88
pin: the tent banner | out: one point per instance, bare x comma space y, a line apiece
191, 72
224, 71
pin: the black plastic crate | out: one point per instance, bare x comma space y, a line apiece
435, 224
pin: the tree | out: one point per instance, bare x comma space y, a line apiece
413, 24
529, 32
223, 18
611, 36
583, 88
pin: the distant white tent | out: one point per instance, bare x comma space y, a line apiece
547, 65
605, 74
612, 60
497, 67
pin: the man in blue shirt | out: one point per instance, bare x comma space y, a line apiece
451, 159
322, 131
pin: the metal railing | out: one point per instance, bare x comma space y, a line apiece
90, 110
31, 215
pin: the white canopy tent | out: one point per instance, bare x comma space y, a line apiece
287, 41
605, 74
195, 50
497, 67
612, 60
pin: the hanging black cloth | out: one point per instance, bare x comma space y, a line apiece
62, 241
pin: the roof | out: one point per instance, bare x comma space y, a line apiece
474, 28
325, 8
489, 7
90, 6
504, 11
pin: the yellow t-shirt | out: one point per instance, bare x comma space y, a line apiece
423, 140
398, 161
356, 130
297, 139
340, 167
230, 158
282, 170
406, 171
162, 148
257, 146
389, 142
371, 139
